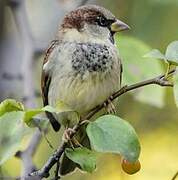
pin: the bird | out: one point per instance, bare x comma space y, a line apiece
81, 67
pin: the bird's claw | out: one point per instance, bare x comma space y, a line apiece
109, 106
76, 142
67, 134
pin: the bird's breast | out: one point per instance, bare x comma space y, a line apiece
88, 75
92, 58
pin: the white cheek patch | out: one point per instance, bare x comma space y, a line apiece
90, 33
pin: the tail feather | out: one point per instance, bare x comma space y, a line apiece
55, 124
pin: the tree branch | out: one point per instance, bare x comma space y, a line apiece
158, 81
44, 171
175, 176
27, 154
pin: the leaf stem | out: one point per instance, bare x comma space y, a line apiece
167, 70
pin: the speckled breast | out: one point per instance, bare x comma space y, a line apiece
85, 77
91, 57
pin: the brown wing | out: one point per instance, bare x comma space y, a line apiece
45, 83
121, 66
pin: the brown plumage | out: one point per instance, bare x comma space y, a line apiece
77, 18
45, 83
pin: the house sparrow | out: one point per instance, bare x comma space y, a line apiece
82, 67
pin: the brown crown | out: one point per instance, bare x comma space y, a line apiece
77, 18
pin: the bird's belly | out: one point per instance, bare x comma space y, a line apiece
83, 94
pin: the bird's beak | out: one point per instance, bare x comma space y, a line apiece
118, 26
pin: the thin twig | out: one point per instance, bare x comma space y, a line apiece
44, 171
175, 176
57, 170
158, 81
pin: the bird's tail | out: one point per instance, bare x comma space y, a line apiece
67, 166
55, 124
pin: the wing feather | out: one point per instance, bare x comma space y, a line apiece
45, 83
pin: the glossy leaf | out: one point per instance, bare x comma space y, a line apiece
155, 53
172, 52
84, 157
10, 105
113, 135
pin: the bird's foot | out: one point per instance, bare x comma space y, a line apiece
76, 142
67, 134
109, 106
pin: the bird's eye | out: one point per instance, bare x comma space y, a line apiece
102, 21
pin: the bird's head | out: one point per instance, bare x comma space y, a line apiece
91, 23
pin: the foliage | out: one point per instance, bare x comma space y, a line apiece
171, 58
120, 137
12, 132
84, 157
135, 69
10, 105
111, 134
171, 55
107, 134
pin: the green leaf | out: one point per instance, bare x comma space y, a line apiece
39, 122
176, 88
60, 108
172, 53
136, 69
84, 157
12, 132
28, 117
10, 105
155, 53
112, 134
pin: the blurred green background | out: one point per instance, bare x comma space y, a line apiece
151, 111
